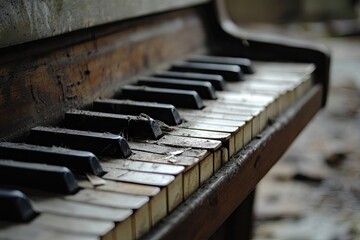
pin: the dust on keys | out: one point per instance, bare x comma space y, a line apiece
121, 166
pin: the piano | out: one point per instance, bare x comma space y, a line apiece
144, 120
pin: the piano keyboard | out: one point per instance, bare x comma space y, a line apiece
115, 170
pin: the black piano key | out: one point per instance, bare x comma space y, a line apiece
76, 161
178, 98
132, 126
15, 206
244, 63
105, 144
204, 89
166, 113
37, 176
231, 73
217, 81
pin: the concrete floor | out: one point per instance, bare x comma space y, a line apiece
313, 192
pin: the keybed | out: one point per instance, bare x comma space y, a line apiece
161, 164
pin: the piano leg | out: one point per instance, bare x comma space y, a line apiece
239, 225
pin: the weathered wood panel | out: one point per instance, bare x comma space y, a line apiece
38, 88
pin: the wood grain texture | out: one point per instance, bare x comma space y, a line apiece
37, 87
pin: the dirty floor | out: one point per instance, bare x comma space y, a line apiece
313, 192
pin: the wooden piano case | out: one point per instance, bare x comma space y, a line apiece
41, 80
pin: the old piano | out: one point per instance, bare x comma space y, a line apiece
143, 119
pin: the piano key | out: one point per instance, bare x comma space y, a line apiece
77, 161
166, 113
178, 98
231, 73
269, 67
141, 217
185, 132
11, 231
167, 150
204, 169
54, 205
38, 176
216, 128
141, 166
210, 129
120, 187
244, 63
188, 142
249, 120
81, 226
99, 143
285, 96
153, 179
204, 89
15, 206
232, 108
158, 198
132, 126
191, 175
217, 81
139, 155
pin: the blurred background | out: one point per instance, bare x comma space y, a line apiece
313, 192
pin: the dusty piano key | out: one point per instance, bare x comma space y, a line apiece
140, 166
105, 144
235, 131
146, 178
252, 100
121, 187
284, 67
176, 97
44, 203
15, 206
285, 94
73, 225
301, 82
60, 207
174, 189
26, 231
232, 107
204, 89
231, 73
132, 126
248, 119
139, 155
166, 113
205, 167
244, 63
236, 109
38, 176
226, 139
285, 91
188, 142
217, 81
141, 219
167, 150
76, 161
158, 197
230, 132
